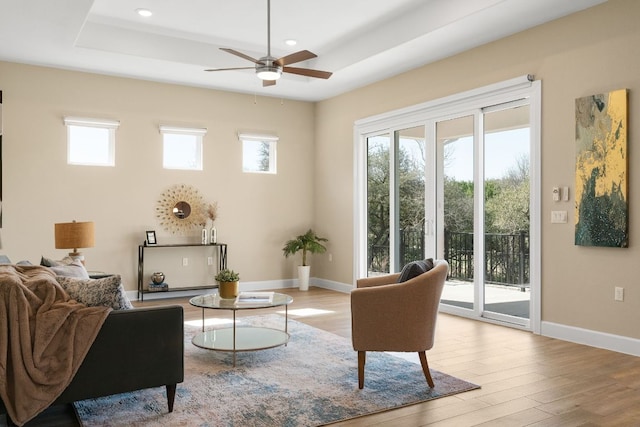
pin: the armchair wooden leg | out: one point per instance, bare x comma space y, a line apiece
425, 368
362, 356
171, 395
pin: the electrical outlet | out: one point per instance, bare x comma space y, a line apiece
210, 260
330, 257
619, 294
185, 262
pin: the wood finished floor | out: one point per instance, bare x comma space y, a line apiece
527, 380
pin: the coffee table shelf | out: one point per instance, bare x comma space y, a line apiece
240, 338
246, 339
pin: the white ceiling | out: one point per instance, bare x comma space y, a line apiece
360, 41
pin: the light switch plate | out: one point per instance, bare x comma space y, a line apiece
558, 217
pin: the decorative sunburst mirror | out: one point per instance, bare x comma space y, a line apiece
180, 209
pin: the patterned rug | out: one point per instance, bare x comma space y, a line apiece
312, 381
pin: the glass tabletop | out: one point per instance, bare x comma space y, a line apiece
214, 301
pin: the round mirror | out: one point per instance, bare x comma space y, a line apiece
182, 210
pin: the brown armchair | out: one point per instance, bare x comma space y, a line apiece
390, 316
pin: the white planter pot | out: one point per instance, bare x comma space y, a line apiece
303, 277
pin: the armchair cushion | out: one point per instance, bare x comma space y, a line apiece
414, 269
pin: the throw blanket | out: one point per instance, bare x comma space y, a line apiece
44, 337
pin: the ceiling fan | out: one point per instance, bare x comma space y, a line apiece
268, 69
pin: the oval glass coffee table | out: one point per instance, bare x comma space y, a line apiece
241, 338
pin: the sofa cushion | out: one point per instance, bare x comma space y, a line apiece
107, 291
414, 269
67, 267
4, 259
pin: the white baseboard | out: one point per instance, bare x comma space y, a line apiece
334, 286
591, 338
246, 286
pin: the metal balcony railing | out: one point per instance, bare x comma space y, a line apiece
506, 256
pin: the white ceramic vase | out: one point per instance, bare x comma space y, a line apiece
303, 277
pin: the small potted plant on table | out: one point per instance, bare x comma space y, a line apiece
227, 283
307, 242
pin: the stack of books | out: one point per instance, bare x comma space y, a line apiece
158, 287
254, 298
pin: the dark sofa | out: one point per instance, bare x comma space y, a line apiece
135, 349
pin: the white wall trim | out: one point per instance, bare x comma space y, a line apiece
246, 286
618, 343
334, 286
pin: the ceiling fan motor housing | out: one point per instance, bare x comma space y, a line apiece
268, 69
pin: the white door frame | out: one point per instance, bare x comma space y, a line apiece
523, 87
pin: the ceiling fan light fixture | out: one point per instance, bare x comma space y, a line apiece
268, 72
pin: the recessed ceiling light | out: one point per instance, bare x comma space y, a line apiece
291, 42
144, 12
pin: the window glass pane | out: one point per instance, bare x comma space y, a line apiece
410, 188
507, 223
456, 138
182, 151
89, 145
258, 156
378, 208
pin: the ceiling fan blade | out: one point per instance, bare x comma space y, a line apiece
241, 55
229, 69
307, 72
266, 83
303, 55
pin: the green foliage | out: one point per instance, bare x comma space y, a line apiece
307, 242
410, 181
506, 199
227, 275
506, 202
458, 200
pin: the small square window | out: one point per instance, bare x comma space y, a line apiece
90, 141
258, 153
182, 148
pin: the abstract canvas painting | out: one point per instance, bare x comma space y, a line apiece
601, 212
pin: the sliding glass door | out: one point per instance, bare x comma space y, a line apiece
484, 222
506, 228
452, 180
395, 199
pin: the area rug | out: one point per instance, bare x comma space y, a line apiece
312, 381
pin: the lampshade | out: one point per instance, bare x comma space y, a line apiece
74, 235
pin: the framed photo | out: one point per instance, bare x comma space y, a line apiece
151, 238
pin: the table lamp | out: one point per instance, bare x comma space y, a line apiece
74, 235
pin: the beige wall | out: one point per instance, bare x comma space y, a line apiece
257, 213
590, 52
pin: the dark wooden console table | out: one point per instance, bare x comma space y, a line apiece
222, 264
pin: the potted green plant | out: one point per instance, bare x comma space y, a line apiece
227, 283
307, 242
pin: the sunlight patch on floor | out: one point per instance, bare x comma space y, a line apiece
408, 356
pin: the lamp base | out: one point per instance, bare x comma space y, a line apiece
79, 256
